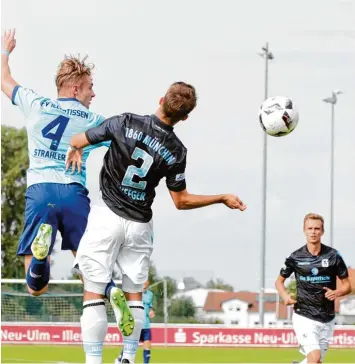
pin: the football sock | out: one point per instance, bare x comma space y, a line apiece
146, 356
93, 329
37, 276
108, 289
130, 343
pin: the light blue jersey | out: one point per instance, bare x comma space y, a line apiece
148, 304
50, 125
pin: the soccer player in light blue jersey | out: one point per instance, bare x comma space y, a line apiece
146, 333
55, 199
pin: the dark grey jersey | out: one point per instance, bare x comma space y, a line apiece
313, 273
143, 150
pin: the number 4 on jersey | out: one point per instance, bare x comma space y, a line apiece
62, 123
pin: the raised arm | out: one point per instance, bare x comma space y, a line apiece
184, 200
8, 45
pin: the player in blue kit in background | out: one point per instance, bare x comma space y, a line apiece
55, 199
146, 333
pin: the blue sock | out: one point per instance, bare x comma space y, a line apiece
146, 356
108, 289
37, 276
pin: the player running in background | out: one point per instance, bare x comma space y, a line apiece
55, 200
146, 333
316, 267
144, 149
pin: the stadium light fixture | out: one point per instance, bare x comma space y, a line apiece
267, 55
165, 285
332, 101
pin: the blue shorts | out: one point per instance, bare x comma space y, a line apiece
146, 335
65, 207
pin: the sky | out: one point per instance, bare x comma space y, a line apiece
140, 48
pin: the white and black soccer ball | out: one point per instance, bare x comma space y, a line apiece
278, 116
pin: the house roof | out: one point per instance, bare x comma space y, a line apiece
215, 300
198, 295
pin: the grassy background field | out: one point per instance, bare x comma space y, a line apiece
74, 354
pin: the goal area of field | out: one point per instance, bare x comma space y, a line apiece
62, 303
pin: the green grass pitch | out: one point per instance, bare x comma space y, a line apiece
74, 354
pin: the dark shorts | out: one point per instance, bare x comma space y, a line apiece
146, 335
65, 207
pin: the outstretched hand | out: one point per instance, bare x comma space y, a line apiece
233, 202
9, 40
74, 160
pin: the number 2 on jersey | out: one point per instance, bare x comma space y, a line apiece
135, 171
61, 122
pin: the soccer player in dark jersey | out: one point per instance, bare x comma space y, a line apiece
144, 150
316, 268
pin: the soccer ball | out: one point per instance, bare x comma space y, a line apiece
278, 116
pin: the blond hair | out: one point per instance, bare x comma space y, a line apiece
312, 216
72, 69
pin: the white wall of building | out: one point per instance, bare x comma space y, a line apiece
235, 312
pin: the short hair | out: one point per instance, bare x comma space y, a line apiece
312, 216
71, 70
179, 101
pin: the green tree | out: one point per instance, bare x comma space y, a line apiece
182, 307
219, 284
191, 283
153, 274
14, 163
292, 289
158, 292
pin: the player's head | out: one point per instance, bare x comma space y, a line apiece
146, 285
313, 227
178, 102
74, 79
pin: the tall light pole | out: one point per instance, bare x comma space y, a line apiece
332, 101
165, 287
267, 55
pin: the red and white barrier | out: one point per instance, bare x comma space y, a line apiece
172, 335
